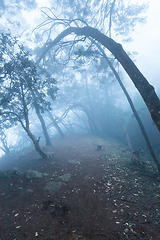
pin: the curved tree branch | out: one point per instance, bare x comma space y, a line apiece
145, 89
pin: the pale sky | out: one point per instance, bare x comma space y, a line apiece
146, 41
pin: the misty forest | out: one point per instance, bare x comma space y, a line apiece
79, 122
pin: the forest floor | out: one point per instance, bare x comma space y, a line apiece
85, 193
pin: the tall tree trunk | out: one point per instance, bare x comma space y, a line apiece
90, 113
45, 132
127, 138
133, 109
56, 125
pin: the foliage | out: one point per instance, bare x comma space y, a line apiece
13, 15
22, 86
109, 16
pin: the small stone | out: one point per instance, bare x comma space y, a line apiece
53, 186
45, 174
53, 162
86, 177
29, 191
33, 174
11, 172
65, 177
75, 161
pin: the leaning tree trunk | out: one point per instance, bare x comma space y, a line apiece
27, 130
145, 89
56, 125
133, 109
36, 143
45, 132
31, 136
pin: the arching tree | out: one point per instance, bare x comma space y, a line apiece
145, 89
110, 17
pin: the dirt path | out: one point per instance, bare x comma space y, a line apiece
99, 196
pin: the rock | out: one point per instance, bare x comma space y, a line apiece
99, 147
8, 173
86, 177
53, 186
65, 177
33, 174
45, 174
29, 191
75, 161
53, 162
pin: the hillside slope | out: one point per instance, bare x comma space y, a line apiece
83, 192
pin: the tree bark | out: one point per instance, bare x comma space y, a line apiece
45, 132
36, 144
27, 130
145, 89
133, 109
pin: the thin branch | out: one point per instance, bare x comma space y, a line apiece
13, 113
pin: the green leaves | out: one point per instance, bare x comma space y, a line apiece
22, 86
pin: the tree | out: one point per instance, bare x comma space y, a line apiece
13, 15
112, 16
22, 88
55, 124
3, 139
39, 104
146, 90
132, 107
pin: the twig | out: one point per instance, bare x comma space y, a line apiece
57, 214
121, 199
128, 219
101, 235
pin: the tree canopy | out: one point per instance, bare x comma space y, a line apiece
23, 88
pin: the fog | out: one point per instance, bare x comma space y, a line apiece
79, 119
80, 83
146, 44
